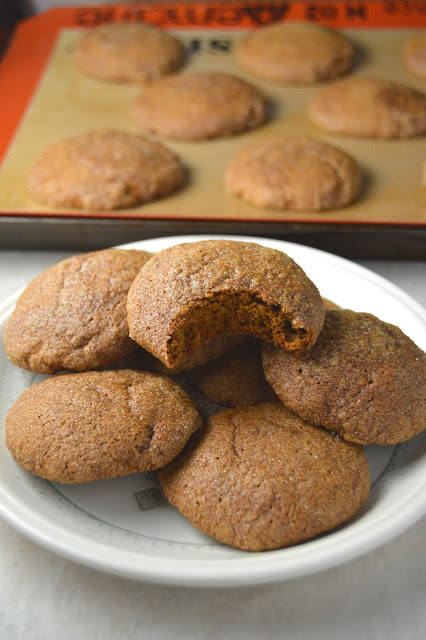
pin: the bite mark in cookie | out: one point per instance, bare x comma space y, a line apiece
188, 294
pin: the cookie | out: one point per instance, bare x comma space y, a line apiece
128, 53
79, 427
294, 173
213, 349
205, 105
295, 53
328, 304
363, 379
369, 108
73, 315
414, 54
104, 169
189, 293
260, 478
236, 378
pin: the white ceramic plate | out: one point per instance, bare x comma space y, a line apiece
121, 526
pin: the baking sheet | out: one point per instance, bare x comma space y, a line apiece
65, 102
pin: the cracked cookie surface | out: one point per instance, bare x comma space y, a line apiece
104, 169
73, 315
363, 379
294, 173
78, 427
261, 478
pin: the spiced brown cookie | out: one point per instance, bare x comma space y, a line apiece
294, 173
73, 315
414, 54
189, 293
104, 169
369, 108
78, 427
236, 378
213, 349
328, 304
295, 53
205, 105
128, 53
363, 379
261, 478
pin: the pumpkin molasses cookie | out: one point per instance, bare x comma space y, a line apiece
369, 108
414, 54
73, 315
189, 293
236, 378
205, 105
295, 53
260, 478
78, 427
104, 169
363, 379
294, 173
128, 53
213, 349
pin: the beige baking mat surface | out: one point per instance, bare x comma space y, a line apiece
66, 102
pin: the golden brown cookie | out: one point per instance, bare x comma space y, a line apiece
369, 108
78, 427
128, 53
261, 478
295, 53
294, 173
205, 105
363, 379
104, 169
73, 315
189, 293
236, 378
414, 54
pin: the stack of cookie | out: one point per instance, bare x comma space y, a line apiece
108, 169
218, 363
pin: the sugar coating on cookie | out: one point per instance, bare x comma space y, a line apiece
295, 173
104, 169
414, 54
128, 53
189, 293
260, 478
295, 53
205, 105
369, 108
79, 427
236, 378
73, 315
363, 379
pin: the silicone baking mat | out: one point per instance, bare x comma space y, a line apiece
48, 99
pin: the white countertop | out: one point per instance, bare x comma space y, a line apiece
380, 596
